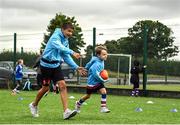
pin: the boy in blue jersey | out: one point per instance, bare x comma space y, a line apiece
95, 82
56, 51
18, 76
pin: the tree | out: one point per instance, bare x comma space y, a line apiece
112, 46
160, 40
89, 50
75, 42
128, 46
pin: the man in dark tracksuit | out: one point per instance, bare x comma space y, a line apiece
135, 70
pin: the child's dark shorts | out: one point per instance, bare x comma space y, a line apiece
48, 74
135, 82
135, 85
94, 89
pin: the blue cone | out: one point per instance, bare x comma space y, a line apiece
138, 110
174, 110
20, 98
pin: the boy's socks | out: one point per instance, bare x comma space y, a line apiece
136, 92
80, 102
103, 100
132, 93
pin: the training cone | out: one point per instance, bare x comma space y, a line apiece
20, 98
104, 74
71, 97
138, 110
173, 110
150, 102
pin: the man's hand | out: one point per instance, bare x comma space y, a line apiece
76, 55
82, 71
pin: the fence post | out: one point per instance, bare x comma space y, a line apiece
22, 51
94, 40
14, 58
166, 70
145, 61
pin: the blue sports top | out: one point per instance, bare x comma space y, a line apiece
19, 70
57, 50
94, 67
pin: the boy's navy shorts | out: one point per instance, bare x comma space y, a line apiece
90, 90
48, 74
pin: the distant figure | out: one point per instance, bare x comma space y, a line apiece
27, 85
18, 76
38, 70
135, 70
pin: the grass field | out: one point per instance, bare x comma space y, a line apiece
14, 109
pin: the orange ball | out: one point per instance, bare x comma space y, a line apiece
104, 74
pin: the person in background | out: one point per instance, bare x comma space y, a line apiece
18, 76
37, 66
135, 70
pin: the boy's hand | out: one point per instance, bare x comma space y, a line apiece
76, 55
82, 71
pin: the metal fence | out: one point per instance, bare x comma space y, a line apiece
118, 68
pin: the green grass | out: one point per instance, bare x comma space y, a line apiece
13, 110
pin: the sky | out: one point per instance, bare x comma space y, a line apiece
110, 17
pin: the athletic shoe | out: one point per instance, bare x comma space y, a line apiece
77, 107
68, 114
105, 110
34, 110
137, 93
13, 91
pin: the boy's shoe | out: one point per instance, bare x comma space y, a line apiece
137, 94
77, 107
57, 90
34, 110
105, 110
13, 91
133, 93
68, 114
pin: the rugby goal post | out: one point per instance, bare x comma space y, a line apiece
129, 68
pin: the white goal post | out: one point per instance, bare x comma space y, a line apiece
125, 55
